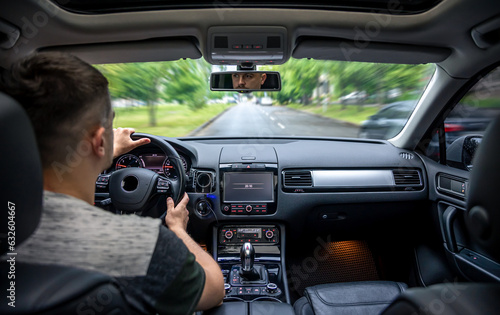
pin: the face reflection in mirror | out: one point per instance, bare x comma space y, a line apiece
248, 80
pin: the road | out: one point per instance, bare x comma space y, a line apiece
246, 119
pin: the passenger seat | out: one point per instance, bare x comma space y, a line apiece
364, 297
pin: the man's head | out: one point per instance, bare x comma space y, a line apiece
248, 80
67, 101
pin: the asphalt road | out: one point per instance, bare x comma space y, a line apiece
246, 119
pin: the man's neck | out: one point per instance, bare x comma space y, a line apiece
81, 187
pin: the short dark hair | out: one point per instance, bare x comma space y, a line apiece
63, 96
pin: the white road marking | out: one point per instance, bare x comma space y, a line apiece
281, 126
272, 118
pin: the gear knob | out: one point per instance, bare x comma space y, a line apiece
247, 255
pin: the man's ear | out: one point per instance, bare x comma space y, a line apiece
263, 77
98, 142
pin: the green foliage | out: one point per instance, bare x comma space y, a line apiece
188, 83
184, 81
300, 77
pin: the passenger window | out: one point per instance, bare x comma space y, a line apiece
470, 116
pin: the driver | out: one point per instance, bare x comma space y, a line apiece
248, 80
161, 270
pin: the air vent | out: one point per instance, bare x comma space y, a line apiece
297, 178
407, 178
406, 155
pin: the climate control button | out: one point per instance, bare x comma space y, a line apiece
269, 234
229, 235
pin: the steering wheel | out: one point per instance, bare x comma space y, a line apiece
131, 189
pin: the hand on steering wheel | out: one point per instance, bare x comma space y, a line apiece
131, 189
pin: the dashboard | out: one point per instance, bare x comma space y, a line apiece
318, 184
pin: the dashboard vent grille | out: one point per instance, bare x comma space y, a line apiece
406, 155
407, 178
297, 178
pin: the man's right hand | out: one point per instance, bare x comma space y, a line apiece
213, 290
177, 217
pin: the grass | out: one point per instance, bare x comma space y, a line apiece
172, 120
351, 113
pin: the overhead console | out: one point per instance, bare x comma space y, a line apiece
248, 180
247, 45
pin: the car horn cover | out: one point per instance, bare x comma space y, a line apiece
130, 188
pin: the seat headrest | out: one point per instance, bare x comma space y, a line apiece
21, 183
483, 201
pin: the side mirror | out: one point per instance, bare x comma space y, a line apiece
461, 152
245, 81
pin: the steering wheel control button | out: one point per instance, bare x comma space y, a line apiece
163, 186
102, 182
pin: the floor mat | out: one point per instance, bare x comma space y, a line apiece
332, 262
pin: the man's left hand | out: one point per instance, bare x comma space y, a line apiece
122, 142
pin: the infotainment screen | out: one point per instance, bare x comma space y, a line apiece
242, 187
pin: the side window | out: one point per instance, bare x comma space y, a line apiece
470, 117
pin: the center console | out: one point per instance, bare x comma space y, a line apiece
250, 252
251, 257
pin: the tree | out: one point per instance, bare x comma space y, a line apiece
299, 79
188, 83
137, 81
185, 81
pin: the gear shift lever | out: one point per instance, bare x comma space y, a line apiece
247, 271
247, 255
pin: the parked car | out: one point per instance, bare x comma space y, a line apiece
388, 121
266, 101
356, 97
391, 119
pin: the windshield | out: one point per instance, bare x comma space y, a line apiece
318, 98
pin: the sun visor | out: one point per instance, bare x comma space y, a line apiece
158, 49
347, 50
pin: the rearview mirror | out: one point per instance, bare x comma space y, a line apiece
245, 81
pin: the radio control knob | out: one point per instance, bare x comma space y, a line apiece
269, 234
248, 208
229, 235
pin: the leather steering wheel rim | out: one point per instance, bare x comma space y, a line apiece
174, 158
131, 189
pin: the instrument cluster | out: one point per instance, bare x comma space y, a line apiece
156, 162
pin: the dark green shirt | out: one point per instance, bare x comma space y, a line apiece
157, 273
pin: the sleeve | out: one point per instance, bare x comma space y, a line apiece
183, 294
183, 279
174, 281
